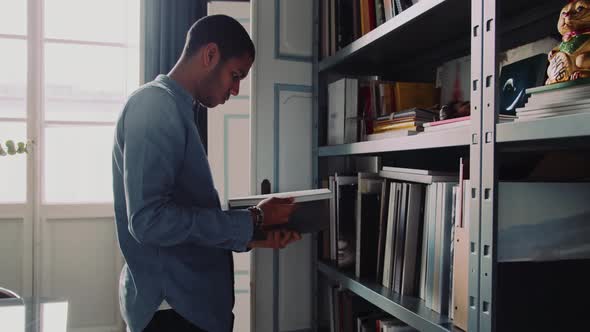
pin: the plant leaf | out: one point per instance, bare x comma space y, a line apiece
10, 147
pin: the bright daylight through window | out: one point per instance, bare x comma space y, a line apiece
86, 56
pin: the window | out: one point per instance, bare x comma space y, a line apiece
13, 87
89, 72
88, 62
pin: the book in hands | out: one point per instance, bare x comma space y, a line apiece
312, 212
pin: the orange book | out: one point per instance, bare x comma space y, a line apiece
365, 17
409, 95
386, 99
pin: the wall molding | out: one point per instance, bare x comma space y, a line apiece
226, 119
278, 54
278, 88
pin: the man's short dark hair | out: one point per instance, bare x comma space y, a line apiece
229, 35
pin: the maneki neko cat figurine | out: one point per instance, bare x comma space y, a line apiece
570, 60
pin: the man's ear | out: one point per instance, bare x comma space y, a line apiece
211, 55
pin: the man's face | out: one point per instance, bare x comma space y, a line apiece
224, 80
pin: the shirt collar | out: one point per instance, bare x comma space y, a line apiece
176, 88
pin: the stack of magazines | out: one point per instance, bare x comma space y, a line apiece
556, 100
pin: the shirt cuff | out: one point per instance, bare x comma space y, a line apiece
242, 229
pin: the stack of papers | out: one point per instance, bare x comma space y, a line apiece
556, 100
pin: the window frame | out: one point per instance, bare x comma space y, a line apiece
35, 108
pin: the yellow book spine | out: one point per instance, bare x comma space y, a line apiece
407, 125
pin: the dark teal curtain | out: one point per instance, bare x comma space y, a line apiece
165, 26
166, 23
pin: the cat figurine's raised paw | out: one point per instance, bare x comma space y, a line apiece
570, 60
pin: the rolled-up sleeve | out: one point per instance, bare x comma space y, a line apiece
153, 153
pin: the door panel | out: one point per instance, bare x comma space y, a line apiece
293, 41
81, 263
282, 149
242, 322
295, 280
236, 130
12, 254
294, 137
16, 249
293, 171
229, 157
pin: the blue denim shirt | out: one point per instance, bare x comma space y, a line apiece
176, 240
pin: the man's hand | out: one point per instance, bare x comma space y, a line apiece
276, 240
276, 210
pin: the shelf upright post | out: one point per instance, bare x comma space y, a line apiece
315, 303
489, 179
475, 163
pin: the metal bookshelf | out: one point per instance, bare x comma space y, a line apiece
567, 126
394, 41
448, 138
483, 29
409, 309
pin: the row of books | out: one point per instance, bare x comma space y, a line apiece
354, 104
416, 121
396, 228
349, 313
411, 122
344, 21
526, 214
545, 102
382, 236
408, 230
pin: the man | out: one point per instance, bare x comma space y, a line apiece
176, 240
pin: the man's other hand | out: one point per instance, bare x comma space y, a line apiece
276, 210
276, 240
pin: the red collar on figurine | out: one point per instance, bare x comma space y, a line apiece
572, 34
